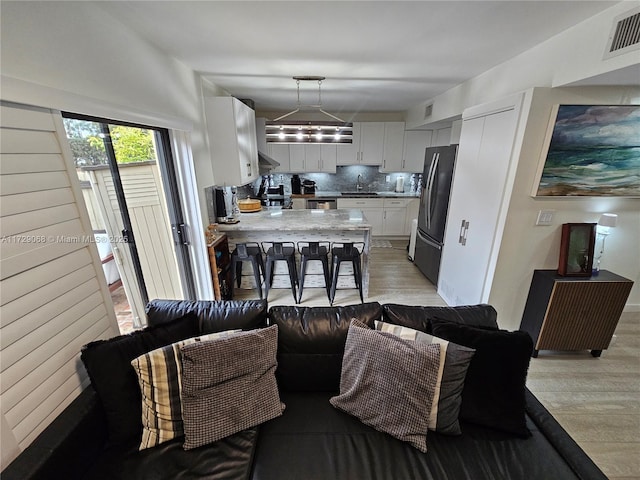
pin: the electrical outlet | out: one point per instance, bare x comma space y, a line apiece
545, 217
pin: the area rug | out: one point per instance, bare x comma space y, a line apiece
381, 244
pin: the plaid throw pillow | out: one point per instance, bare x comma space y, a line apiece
454, 362
229, 385
388, 383
159, 374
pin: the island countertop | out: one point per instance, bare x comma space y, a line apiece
299, 220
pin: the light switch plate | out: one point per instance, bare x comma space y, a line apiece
545, 217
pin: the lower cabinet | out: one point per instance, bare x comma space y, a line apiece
388, 216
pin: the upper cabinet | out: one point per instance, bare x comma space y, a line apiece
232, 140
310, 157
280, 153
415, 144
367, 146
393, 146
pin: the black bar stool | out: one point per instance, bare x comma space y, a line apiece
314, 251
280, 251
247, 252
348, 252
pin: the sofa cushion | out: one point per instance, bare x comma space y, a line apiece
454, 362
108, 363
311, 343
418, 317
159, 373
494, 389
229, 385
214, 316
388, 383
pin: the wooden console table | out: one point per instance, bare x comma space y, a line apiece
220, 264
574, 313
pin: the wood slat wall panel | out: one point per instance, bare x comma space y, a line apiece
52, 290
33, 182
26, 141
21, 352
74, 283
42, 275
68, 355
30, 118
31, 201
15, 163
37, 219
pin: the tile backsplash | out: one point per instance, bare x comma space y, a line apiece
344, 180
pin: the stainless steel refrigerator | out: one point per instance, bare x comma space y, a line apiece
434, 202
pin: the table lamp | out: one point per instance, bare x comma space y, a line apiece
605, 224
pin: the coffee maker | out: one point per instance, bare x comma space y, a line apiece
219, 204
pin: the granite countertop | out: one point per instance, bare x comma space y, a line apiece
329, 194
290, 220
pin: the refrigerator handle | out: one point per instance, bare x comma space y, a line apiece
432, 173
428, 241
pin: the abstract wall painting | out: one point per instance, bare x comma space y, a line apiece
591, 150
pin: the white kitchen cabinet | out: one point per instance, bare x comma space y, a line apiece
480, 197
367, 146
280, 153
372, 208
311, 158
415, 144
232, 140
442, 137
393, 219
392, 147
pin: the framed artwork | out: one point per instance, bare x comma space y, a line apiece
576, 249
591, 150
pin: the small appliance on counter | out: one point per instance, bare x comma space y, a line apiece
308, 187
296, 186
221, 208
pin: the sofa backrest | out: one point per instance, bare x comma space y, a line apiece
419, 317
311, 343
214, 316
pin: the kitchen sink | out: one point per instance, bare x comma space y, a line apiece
359, 194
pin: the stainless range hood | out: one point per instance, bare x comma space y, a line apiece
265, 162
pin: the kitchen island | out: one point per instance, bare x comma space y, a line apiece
335, 226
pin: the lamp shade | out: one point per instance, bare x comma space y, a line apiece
608, 220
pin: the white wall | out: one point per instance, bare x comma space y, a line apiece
525, 246
571, 56
73, 56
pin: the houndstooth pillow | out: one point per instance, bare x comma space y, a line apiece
229, 385
159, 373
388, 383
454, 362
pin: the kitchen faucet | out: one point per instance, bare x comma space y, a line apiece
358, 185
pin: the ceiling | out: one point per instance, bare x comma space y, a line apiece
377, 56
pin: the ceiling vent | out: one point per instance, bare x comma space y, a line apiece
428, 110
625, 34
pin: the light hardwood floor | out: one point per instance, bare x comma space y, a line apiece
597, 400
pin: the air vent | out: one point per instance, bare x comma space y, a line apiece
625, 34
428, 110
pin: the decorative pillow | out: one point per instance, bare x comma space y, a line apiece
454, 362
229, 385
494, 389
388, 383
159, 373
108, 363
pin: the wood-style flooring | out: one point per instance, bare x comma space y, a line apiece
597, 400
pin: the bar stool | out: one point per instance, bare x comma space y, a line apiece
280, 251
247, 252
314, 251
348, 252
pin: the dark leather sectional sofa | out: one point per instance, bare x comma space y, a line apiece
311, 440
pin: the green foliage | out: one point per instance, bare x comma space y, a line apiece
130, 144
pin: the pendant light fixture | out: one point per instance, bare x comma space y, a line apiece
335, 131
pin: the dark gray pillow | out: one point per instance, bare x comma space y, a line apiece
229, 385
388, 383
454, 362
